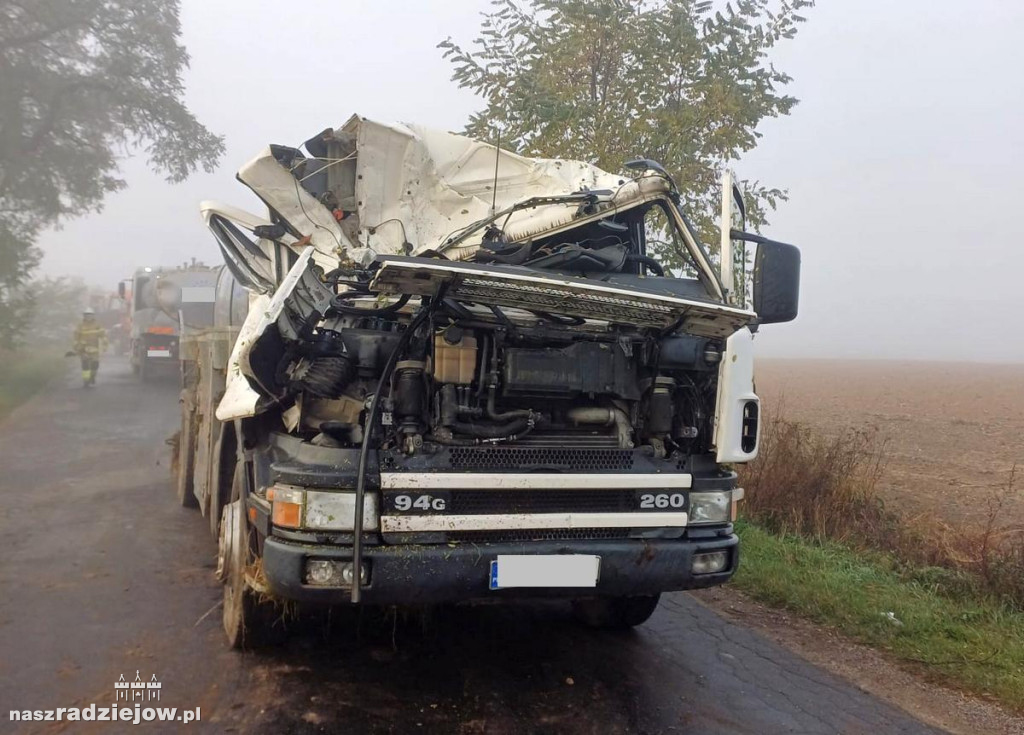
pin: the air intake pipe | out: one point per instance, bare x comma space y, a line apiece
605, 417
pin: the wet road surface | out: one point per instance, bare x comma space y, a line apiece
102, 574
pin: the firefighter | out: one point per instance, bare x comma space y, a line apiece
90, 341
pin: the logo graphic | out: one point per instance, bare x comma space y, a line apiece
138, 690
132, 698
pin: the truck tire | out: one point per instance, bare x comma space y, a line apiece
248, 622
145, 370
184, 482
615, 613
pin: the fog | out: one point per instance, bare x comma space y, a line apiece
902, 159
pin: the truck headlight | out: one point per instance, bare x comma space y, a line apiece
710, 507
320, 510
336, 511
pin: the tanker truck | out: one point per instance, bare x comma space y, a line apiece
442, 372
159, 302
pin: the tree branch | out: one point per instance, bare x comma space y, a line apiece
49, 121
42, 34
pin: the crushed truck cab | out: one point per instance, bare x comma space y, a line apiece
464, 374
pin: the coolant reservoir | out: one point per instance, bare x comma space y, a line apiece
454, 356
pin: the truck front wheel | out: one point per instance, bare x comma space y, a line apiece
247, 621
615, 613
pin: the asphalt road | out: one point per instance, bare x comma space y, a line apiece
103, 575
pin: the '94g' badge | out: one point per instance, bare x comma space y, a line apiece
436, 502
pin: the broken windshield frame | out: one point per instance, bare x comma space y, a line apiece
706, 272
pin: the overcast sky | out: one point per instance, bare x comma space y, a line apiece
903, 159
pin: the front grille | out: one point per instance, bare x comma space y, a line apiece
526, 458
553, 534
477, 502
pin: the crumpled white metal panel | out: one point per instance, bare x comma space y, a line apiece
240, 399
420, 185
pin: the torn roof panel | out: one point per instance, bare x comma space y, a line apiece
418, 185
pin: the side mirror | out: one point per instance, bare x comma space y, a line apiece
120, 290
776, 282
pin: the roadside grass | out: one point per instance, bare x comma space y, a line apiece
25, 373
950, 635
825, 487
820, 541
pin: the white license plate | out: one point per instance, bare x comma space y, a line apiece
544, 570
158, 353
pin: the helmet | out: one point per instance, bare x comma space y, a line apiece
89, 312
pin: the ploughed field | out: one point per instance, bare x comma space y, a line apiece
951, 431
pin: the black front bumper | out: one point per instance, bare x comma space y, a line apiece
407, 574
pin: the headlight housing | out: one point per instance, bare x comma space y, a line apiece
320, 510
336, 511
710, 507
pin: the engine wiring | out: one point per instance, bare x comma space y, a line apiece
298, 198
330, 162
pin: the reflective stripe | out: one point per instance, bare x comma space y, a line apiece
532, 480
495, 522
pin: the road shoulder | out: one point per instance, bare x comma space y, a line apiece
865, 667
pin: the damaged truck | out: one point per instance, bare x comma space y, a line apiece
443, 372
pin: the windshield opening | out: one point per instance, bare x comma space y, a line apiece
661, 240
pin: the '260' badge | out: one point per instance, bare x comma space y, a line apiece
661, 501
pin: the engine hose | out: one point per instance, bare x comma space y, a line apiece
452, 441
338, 305
651, 263
606, 417
364, 450
457, 310
507, 415
458, 441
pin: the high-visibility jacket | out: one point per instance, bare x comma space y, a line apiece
90, 338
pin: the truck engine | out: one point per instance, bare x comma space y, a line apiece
472, 379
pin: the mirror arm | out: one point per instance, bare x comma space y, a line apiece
751, 237
737, 198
